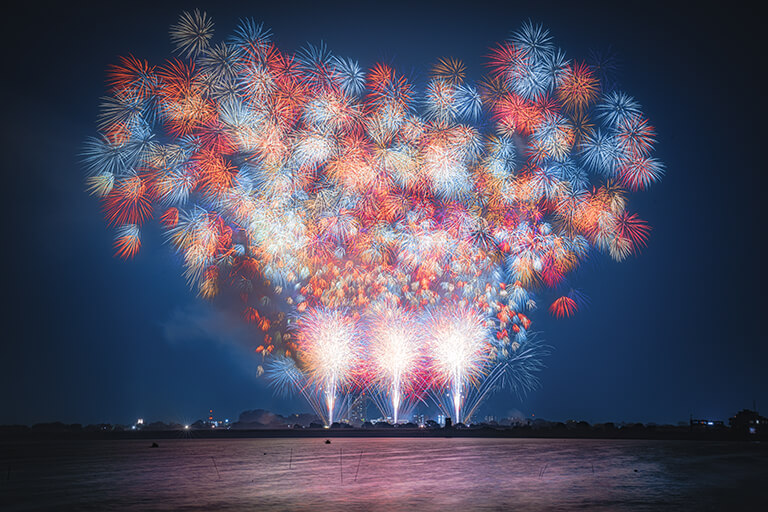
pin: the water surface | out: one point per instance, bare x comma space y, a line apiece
381, 474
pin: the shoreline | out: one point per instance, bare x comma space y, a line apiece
489, 433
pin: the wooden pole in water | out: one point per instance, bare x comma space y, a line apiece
216, 467
341, 466
358, 464
290, 461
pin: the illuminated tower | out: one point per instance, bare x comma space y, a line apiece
358, 410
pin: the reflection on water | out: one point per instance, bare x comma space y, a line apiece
381, 474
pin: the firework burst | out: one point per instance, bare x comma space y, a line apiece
395, 354
380, 238
328, 346
458, 348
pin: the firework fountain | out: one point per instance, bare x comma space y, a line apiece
382, 239
394, 354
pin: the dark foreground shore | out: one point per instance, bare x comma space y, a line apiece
640, 432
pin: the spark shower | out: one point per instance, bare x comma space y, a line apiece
383, 236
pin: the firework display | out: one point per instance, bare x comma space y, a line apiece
383, 238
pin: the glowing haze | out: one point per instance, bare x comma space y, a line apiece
385, 238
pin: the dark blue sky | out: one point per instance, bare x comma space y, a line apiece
675, 331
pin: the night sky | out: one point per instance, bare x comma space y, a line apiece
678, 330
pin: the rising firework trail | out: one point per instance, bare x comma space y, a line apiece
380, 238
458, 350
328, 342
395, 354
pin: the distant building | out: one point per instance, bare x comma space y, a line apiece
706, 423
358, 411
213, 423
748, 422
419, 419
441, 420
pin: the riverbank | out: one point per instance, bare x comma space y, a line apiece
556, 432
